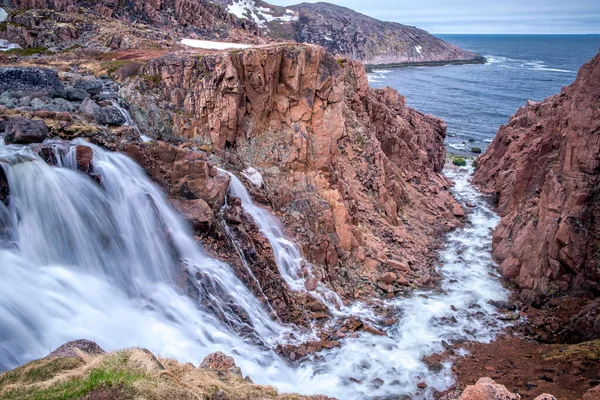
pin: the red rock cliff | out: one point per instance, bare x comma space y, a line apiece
352, 171
544, 167
197, 18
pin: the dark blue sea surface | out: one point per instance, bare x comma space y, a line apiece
475, 100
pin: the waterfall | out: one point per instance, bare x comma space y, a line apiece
287, 255
105, 262
110, 261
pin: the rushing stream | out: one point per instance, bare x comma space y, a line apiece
80, 259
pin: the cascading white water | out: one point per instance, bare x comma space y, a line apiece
374, 366
80, 259
287, 255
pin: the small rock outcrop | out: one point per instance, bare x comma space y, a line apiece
487, 389
74, 349
544, 168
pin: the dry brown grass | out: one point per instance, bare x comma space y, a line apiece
132, 374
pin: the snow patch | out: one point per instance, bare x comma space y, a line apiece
419, 49
5, 45
260, 15
253, 176
3, 14
205, 44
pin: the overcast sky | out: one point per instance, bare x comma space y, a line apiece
481, 16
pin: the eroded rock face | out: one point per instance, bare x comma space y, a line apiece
544, 166
200, 18
353, 172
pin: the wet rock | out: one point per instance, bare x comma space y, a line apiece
197, 212
110, 116
503, 305
103, 115
311, 284
72, 349
476, 150
422, 385
31, 81
76, 94
84, 157
21, 130
487, 389
92, 86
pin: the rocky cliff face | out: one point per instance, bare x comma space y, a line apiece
354, 174
193, 18
544, 168
345, 32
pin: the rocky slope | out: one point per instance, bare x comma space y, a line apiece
352, 172
350, 34
158, 20
544, 168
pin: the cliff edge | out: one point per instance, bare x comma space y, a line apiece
544, 168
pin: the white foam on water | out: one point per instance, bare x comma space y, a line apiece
104, 262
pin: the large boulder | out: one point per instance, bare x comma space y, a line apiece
90, 85
487, 389
21, 130
31, 81
103, 115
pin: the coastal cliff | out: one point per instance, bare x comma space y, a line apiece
544, 168
352, 171
350, 34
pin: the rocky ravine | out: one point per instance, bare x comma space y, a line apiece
352, 171
544, 168
350, 34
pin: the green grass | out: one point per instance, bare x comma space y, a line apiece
152, 78
112, 373
461, 162
29, 51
